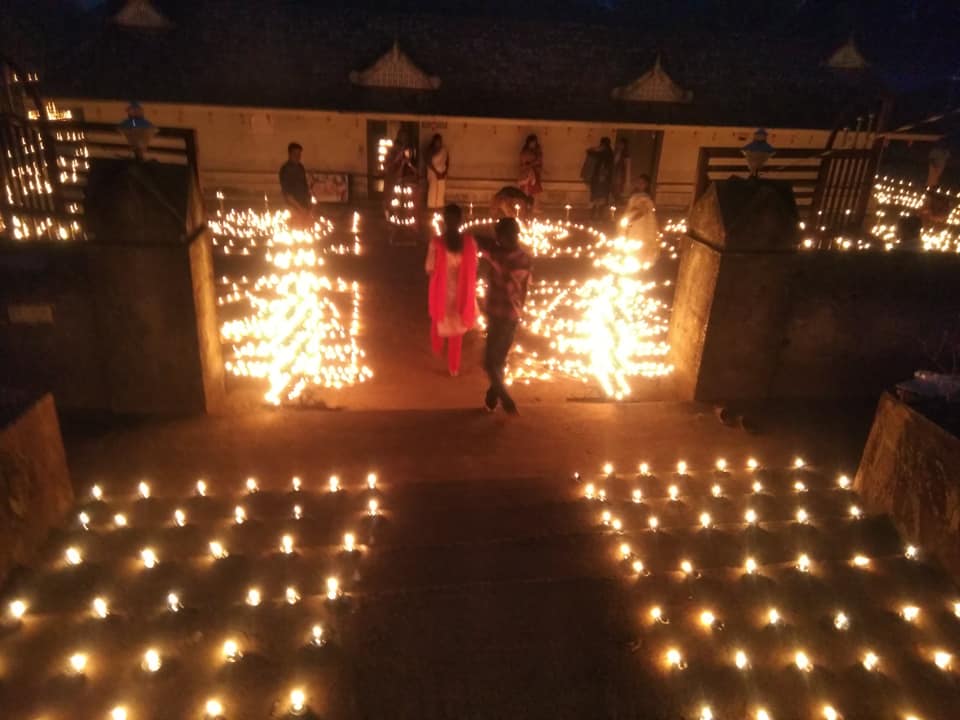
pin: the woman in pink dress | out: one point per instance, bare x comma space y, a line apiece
452, 300
531, 168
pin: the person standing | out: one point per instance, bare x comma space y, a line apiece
293, 183
621, 170
438, 165
452, 300
507, 283
599, 176
531, 168
639, 222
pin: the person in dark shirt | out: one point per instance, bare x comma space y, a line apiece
507, 283
293, 182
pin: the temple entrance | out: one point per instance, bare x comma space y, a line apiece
380, 137
644, 146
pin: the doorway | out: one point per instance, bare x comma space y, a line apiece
644, 147
380, 138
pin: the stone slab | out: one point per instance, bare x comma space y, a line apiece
910, 469
35, 489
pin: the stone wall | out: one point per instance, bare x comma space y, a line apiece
35, 489
754, 325
910, 470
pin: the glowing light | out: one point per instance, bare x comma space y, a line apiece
334, 483
841, 621
296, 484
201, 488
802, 662
179, 517
100, 607
716, 490
799, 486
173, 602
118, 713
681, 468
798, 463
637, 495
252, 485
231, 651
297, 512
803, 563
333, 588
291, 595
773, 616
625, 551
757, 486
213, 709
84, 520
644, 469
943, 659
871, 661
73, 556
144, 490
608, 468
686, 567
750, 516
316, 635
861, 561
750, 566
802, 516
741, 660
372, 508
606, 517
956, 609
674, 658
910, 613
843, 482
638, 567
656, 613
829, 713
349, 542
149, 558
372, 481
763, 714
602, 495
705, 520
911, 552
298, 702
706, 713
589, 491
752, 464
653, 522
218, 551
707, 619
151, 661
253, 597
286, 544
96, 492
617, 525
120, 520
17, 609
721, 465
855, 512
674, 492
78, 663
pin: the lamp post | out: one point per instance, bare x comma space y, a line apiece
757, 152
137, 130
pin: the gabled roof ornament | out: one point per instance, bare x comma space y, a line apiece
847, 57
653, 86
395, 69
143, 15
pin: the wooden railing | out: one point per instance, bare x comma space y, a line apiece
831, 187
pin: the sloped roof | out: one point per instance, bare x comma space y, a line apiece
847, 57
653, 86
301, 55
395, 69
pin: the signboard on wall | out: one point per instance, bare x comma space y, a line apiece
330, 187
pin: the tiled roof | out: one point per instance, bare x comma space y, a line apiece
296, 55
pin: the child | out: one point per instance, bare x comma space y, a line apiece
508, 280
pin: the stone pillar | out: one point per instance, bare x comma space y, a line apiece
35, 489
910, 470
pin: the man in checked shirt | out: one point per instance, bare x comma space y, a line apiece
507, 284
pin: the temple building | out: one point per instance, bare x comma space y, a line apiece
343, 82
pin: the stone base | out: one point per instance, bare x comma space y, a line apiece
35, 489
910, 470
